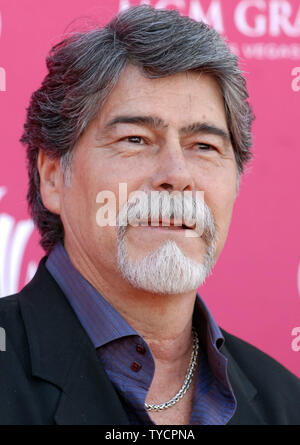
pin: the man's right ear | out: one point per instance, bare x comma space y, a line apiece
50, 181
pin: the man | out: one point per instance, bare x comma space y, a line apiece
111, 329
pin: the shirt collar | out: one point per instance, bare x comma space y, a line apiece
99, 318
102, 322
211, 328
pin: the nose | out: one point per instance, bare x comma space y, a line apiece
172, 172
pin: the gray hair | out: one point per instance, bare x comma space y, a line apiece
84, 68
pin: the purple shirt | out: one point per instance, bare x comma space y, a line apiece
128, 360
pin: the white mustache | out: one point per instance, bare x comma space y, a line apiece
182, 208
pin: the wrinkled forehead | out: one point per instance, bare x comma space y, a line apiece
176, 99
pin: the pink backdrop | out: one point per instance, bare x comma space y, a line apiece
255, 289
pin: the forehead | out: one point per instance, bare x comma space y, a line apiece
177, 99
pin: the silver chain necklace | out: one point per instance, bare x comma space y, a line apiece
187, 381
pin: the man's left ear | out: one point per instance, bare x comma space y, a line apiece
50, 181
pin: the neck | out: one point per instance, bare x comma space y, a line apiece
164, 321
165, 325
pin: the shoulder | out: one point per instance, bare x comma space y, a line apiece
24, 398
249, 357
12, 325
278, 390
14, 346
15, 359
14, 362
8, 303
10, 316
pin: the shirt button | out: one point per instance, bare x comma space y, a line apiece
135, 366
141, 349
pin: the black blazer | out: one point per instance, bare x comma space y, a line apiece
50, 372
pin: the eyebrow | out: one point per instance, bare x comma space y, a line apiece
206, 128
149, 121
157, 123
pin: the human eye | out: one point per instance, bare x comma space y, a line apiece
205, 147
135, 139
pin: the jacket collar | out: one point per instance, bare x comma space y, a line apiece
62, 354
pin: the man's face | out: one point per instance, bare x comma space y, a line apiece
152, 134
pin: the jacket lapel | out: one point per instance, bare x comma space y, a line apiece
247, 411
63, 355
